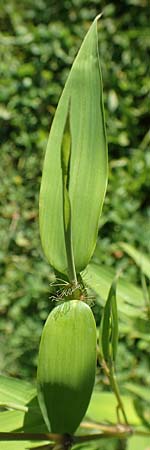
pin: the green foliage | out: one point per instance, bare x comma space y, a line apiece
83, 175
66, 366
23, 395
134, 339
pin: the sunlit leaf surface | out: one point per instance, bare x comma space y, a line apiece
82, 95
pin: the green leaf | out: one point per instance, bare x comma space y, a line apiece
140, 258
114, 321
88, 162
19, 393
15, 391
103, 406
65, 165
130, 301
109, 326
66, 366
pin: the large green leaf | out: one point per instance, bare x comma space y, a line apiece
82, 98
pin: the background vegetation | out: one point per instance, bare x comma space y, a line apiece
39, 41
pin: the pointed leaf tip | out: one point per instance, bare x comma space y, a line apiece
88, 162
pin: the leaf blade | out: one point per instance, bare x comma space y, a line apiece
88, 166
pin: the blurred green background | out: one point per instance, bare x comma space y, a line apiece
39, 41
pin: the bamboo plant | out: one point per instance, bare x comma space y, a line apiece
72, 193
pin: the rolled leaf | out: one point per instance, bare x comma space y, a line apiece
65, 165
109, 326
82, 99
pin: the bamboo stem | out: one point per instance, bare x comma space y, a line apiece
17, 436
114, 384
60, 442
110, 373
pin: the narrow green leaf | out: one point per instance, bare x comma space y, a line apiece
105, 331
115, 331
141, 259
109, 326
88, 162
67, 222
146, 292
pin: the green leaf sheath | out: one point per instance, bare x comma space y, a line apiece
82, 97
